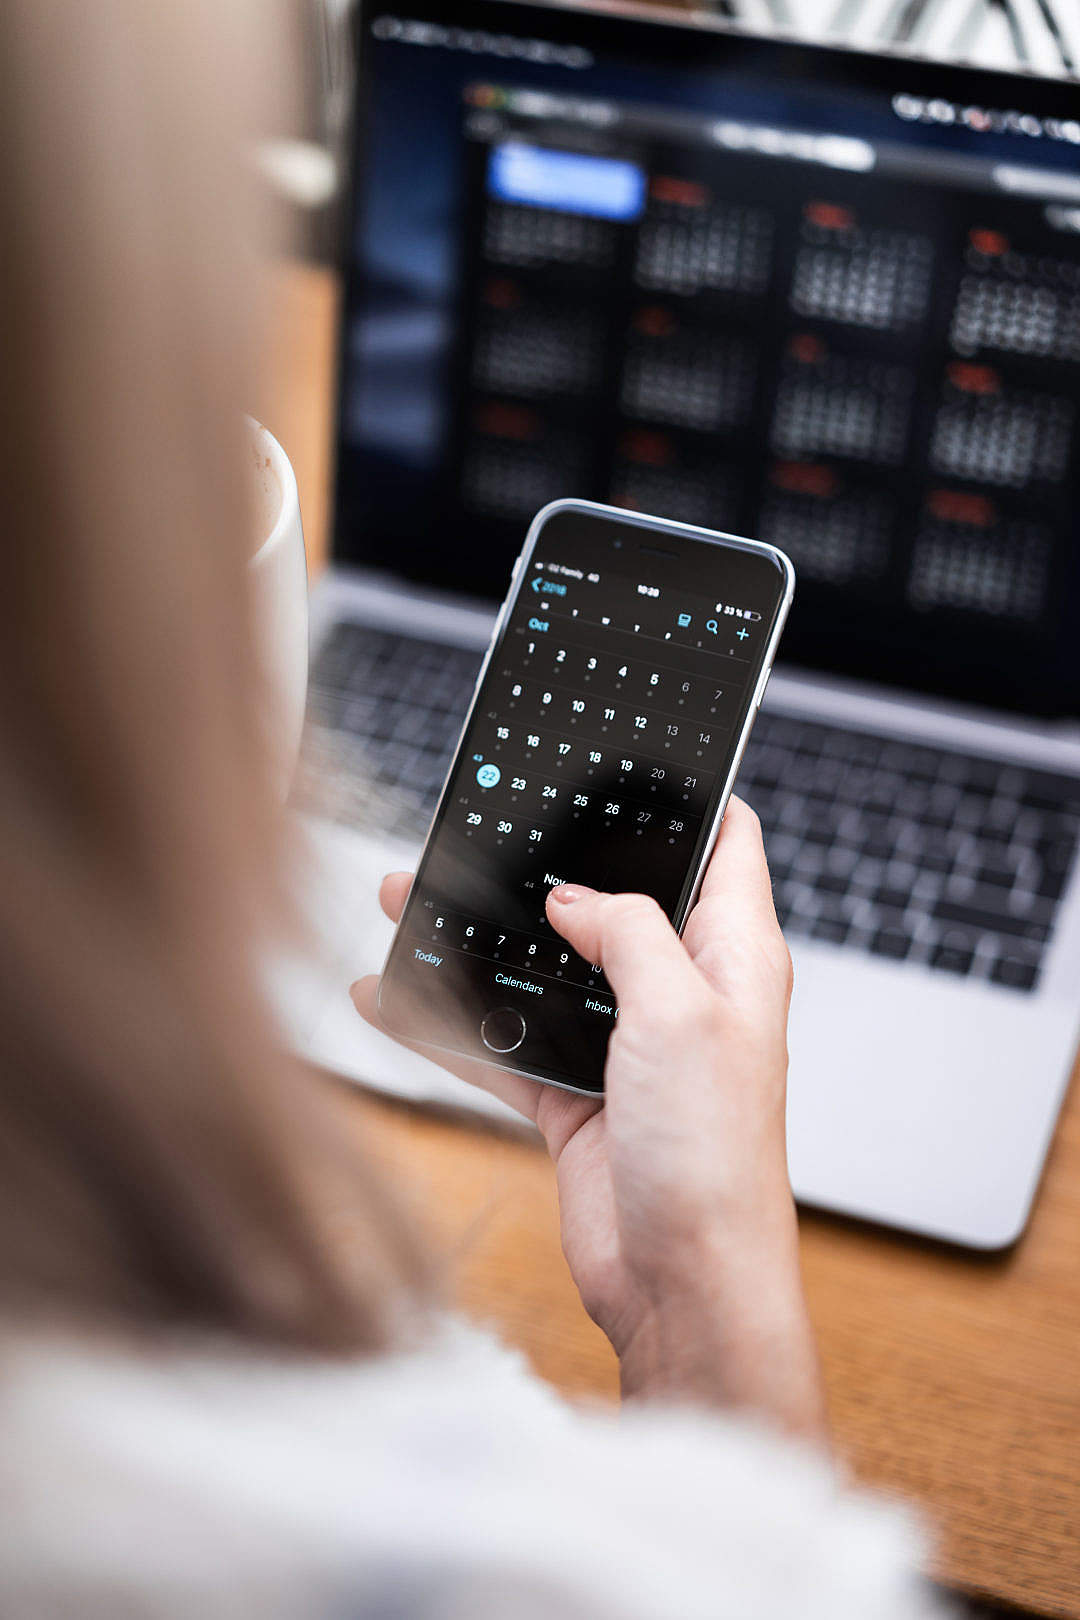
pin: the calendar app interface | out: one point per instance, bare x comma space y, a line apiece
597, 752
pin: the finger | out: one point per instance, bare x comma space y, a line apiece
393, 893
736, 902
630, 938
521, 1094
737, 869
736, 885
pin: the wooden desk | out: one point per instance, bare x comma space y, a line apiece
953, 1380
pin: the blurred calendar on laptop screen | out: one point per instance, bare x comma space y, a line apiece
841, 318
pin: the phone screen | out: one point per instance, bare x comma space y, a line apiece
599, 750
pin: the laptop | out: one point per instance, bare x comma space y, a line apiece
827, 299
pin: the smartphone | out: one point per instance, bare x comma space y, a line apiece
624, 673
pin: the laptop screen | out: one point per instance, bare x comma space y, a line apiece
826, 299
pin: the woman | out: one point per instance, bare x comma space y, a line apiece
226, 1385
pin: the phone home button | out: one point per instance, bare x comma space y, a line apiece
503, 1030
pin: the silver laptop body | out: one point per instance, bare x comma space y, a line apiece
922, 846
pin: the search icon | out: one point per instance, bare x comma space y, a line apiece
711, 624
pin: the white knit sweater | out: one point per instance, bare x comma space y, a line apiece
441, 1484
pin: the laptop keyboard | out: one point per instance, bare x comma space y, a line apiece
387, 711
909, 852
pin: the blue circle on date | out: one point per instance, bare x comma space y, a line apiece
489, 776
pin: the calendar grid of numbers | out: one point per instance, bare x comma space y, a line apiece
596, 751
718, 280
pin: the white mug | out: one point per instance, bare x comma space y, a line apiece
279, 574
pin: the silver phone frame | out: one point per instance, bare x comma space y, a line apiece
654, 525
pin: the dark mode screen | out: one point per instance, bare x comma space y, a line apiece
773, 291
604, 732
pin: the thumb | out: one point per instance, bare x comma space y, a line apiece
629, 936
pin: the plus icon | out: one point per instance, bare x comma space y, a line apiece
742, 634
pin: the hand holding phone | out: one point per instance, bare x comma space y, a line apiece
609, 718
678, 1223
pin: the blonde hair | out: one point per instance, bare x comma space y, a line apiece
162, 1160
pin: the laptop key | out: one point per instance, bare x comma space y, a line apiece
894, 942
1056, 854
1000, 876
1015, 972
892, 899
953, 954
832, 883
990, 921
1051, 885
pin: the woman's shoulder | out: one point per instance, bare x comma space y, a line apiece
286, 1485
